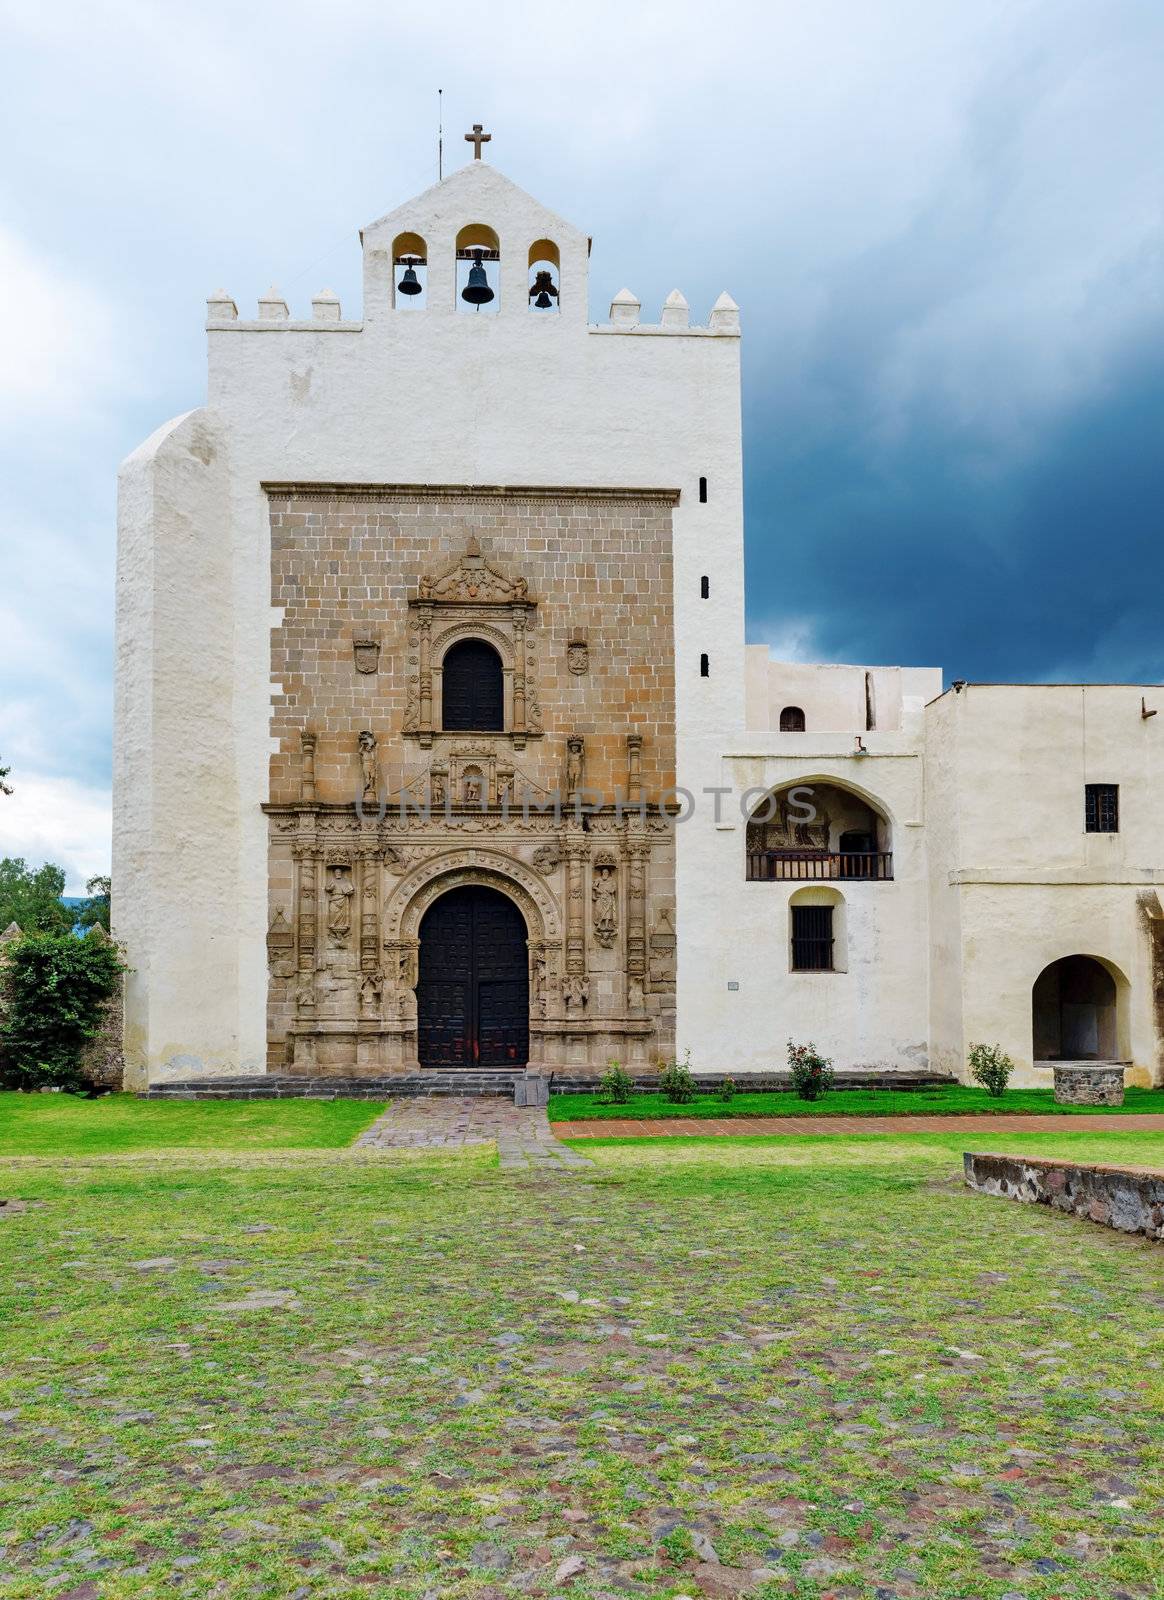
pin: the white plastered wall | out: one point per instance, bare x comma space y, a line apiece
1016, 881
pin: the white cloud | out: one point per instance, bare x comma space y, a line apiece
58, 820
60, 351
788, 638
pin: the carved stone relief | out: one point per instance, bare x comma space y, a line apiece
604, 894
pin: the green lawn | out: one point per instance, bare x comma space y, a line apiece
326, 1373
954, 1099
66, 1125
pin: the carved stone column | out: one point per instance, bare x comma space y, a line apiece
307, 924
634, 777
518, 669
371, 976
307, 767
638, 851
577, 853
424, 620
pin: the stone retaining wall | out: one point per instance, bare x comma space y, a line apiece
1127, 1198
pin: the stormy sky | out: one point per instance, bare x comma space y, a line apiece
943, 224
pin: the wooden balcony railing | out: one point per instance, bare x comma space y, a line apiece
769, 866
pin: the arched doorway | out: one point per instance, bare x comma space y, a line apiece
1074, 1011
472, 993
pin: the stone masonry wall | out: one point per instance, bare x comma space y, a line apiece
1126, 1198
345, 564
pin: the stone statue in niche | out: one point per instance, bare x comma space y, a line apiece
339, 903
578, 653
604, 893
436, 788
368, 775
575, 763
473, 786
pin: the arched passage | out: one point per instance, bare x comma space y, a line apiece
1075, 1006
472, 992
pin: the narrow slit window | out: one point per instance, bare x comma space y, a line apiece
703, 491
704, 587
704, 665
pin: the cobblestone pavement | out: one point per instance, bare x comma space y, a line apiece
657, 1127
443, 1122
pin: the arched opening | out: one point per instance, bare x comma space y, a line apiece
792, 720
478, 269
813, 831
409, 272
472, 992
545, 275
472, 688
1075, 1004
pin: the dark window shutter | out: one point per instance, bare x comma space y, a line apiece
472, 694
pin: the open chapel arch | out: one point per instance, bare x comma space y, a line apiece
812, 830
478, 269
1077, 1011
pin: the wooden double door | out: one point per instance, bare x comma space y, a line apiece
473, 990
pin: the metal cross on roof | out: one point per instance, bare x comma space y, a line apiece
477, 138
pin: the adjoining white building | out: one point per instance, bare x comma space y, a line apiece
428, 624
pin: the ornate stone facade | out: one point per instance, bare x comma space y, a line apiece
375, 811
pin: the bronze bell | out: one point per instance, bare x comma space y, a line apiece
543, 294
409, 282
477, 291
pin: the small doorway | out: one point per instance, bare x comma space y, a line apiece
472, 995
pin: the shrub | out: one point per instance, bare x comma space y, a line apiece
726, 1090
54, 990
812, 1073
991, 1067
676, 1082
615, 1086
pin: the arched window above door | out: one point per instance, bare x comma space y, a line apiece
792, 720
472, 688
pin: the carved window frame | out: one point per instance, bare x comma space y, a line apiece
471, 599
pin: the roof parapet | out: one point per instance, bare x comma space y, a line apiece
325, 306
272, 306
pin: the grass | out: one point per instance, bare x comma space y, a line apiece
823, 1356
949, 1100
66, 1125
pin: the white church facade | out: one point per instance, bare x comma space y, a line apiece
439, 747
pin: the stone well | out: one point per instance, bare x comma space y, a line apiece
1089, 1083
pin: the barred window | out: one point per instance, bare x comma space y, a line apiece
812, 938
1101, 808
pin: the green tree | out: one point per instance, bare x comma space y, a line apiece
5, 788
31, 897
94, 912
54, 990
